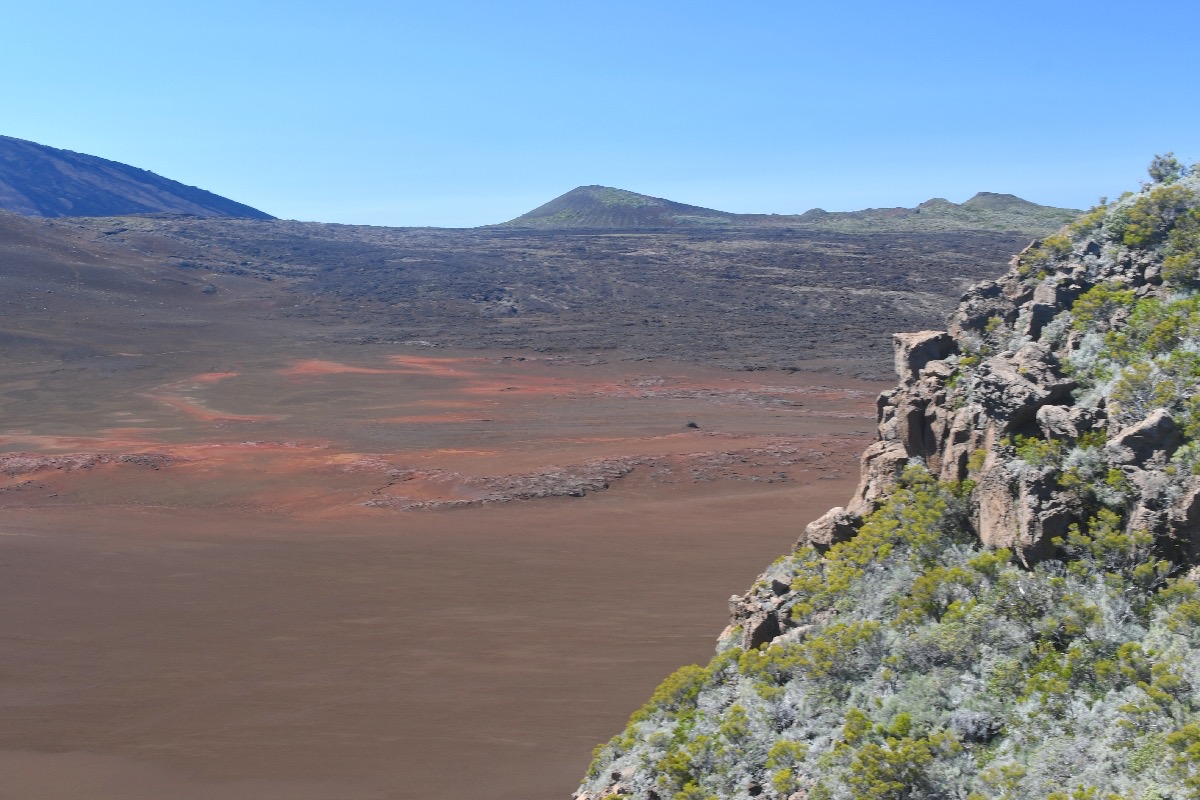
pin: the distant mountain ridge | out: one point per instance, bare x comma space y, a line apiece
41, 181
597, 207
606, 207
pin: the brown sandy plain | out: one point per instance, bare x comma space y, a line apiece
239, 560
315, 578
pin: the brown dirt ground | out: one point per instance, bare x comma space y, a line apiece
217, 614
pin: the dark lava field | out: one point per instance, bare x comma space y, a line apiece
743, 297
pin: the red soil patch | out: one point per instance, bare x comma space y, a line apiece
196, 409
450, 403
120, 439
316, 368
210, 377
445, 367
543, 431
177, 395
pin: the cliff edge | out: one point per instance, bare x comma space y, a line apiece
1008, 606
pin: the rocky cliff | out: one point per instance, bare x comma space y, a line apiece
1007, 606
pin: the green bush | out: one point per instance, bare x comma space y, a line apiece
1048, 252
1040, 452
1148, 220
1165, 168
896, 769
678, 691
1095, 307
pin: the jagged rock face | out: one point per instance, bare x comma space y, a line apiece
1003, 370
1028, 519
1013, 391
914, 351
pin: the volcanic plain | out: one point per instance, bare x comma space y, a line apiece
278, 520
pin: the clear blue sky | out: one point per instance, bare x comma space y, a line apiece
459, 114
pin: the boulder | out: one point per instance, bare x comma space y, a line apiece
959, 440
937, 372
1185, 519
912, 428
975, 726
1035, 318
1150, 441
996, 497
882, 463
1042, 516
1013, 386
885, 408
1057, 292
1057, 422
980, 303
914, 350
1046, 292
1023, 514
835, 525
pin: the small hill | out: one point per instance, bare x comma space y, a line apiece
987, 211
992, 201
605, 207
602, 207
41, 181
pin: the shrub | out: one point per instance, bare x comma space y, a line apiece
1097, 306
785, 755
677, 692
1139, 389
1183, 249
1166, 168
1106, 546
1091, 219
1045, 254
896, 768
1146, 221
1040, 452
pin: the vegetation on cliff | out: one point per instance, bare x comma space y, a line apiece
1009, 605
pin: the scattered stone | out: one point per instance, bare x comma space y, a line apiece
15, 464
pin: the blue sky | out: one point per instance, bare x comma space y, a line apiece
460, 114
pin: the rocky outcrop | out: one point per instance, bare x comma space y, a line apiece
1149, 442
914, 351
422, 489
835, 525
1013, 387
1001, 374
924, 419
1057, 418
19, 464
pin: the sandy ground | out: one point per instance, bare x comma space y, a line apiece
370, 575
